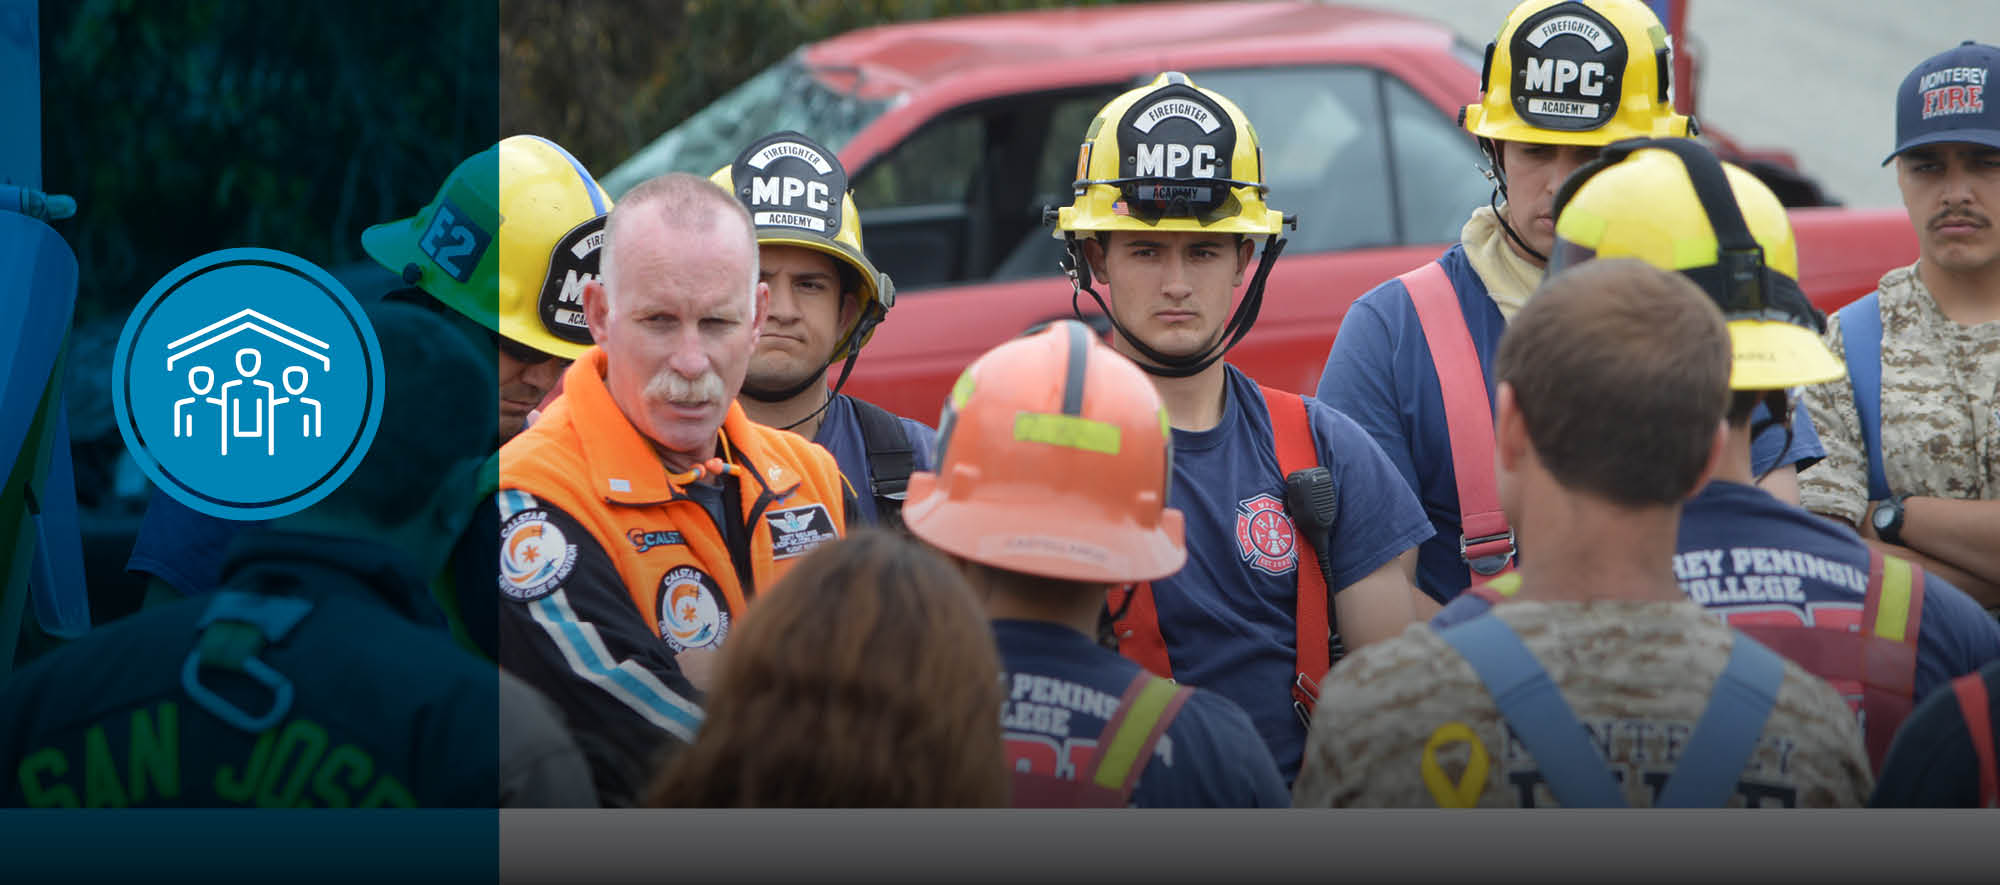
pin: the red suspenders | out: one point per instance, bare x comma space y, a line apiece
1139, 630
1485, 541
1882, 656
1971, 691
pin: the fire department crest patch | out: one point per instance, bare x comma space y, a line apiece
1265, 537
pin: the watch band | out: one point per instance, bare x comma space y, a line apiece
1893, 532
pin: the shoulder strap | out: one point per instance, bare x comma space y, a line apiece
891, 458
1485, 541
1726, 735
1861, 337
1891, 611
1971, 691
1126, 744
1534, 708
1138, 628
1292, 436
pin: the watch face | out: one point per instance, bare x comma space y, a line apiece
1885, 515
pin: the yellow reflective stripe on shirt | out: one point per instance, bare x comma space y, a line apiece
1121, 752
1892, 615
1507, 584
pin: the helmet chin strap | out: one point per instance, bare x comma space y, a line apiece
1497, 172
1156, 362
870, 316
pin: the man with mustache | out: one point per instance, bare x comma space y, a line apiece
1912, 435
643, 510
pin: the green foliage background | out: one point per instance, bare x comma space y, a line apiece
604, 77
187, 126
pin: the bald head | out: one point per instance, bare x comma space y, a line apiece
1620, 372
677, 311
675, 206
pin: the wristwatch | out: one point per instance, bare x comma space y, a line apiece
1888, 519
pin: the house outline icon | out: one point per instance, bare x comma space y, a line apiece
256, 322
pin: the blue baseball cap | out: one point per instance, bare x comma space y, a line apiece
1944, 100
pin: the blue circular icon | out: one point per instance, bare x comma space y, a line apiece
248, 384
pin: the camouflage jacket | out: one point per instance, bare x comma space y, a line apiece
1940, 391
1407, 723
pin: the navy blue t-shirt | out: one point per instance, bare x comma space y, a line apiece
1229, 617
1933, 763
1062, 688
840, 434
1380, 374
1752, 558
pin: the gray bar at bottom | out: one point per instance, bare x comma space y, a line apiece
1249, 846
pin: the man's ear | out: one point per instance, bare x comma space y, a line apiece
850, 310
1717, 442
763, 309
597, 308
1093, 255
1244, 249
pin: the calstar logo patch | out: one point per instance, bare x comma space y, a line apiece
1265, 537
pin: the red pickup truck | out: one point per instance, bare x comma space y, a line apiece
957, 133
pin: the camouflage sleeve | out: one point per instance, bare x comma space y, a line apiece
1838, 485
1368, 732
1825, 757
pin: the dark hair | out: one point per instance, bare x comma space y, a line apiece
1621, 373
867, 677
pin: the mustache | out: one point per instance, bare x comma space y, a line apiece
670, 386
1958, 214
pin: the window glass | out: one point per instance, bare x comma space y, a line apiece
829, 106
1320, 129
1437, 168
936, 165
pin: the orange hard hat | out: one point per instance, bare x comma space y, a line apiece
1054, 455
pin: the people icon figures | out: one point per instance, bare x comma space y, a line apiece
309, 423
201, 380
261, 395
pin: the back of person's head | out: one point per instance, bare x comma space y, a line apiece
1620, 372
416, 485
866, 678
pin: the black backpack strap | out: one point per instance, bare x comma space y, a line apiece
891, 457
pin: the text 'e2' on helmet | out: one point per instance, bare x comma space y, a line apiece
1054, 457
510, 240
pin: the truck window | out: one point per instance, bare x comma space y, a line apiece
1436, 165
960, 200
1322, 134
